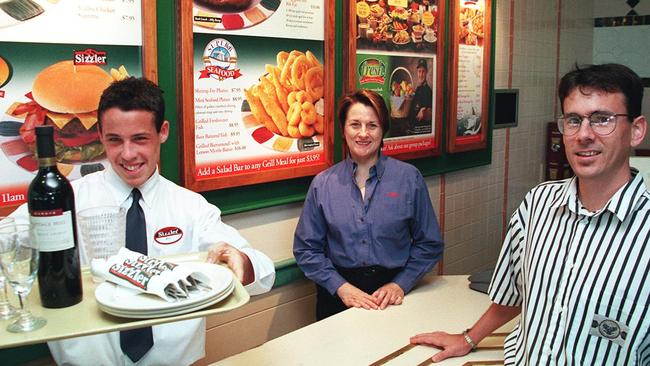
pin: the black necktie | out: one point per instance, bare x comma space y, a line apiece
135, 343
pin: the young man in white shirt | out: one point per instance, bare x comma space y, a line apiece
132, 128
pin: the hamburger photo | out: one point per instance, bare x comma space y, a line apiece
66, 96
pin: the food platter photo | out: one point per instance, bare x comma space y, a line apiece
284, 110
392, 27
232, 14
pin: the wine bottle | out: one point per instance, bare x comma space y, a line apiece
50, 201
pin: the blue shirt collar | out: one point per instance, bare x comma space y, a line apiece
376, 170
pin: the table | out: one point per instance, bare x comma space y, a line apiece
85, 318
361, 337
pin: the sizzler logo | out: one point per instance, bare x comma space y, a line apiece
90, 57
168, 235
372, 71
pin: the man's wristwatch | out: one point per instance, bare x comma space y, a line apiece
469, 340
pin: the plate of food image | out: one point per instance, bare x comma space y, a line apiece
284, 111
232, 14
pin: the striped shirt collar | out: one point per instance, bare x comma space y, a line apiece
621, 204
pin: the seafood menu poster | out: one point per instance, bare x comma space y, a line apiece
29, 75
470, 72
407, 91
258, 104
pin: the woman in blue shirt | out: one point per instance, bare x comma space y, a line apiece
368, 231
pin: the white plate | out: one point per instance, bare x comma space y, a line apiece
179, 307
170, 312
110, 297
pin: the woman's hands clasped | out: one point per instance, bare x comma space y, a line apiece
389, 294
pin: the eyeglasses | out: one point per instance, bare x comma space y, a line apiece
602, 123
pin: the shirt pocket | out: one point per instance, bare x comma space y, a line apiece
619, 324
392, 220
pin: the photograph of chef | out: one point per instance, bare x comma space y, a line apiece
574, 263
422, 100
132, 128
367, 232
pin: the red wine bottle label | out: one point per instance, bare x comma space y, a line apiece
52, 230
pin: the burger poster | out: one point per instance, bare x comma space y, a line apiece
259, 92
58, 85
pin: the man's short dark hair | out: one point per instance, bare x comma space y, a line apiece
134, 94
609, 78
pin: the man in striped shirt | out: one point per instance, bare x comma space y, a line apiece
574, 264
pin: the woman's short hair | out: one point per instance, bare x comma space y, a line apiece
368, 98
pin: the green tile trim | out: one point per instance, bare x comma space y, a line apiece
287, 271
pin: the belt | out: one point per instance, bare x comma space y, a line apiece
366, 271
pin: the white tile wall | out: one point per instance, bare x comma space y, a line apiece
475, 197
608, 8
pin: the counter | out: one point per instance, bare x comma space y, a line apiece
361, 337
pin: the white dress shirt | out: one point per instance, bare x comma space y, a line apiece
166, 206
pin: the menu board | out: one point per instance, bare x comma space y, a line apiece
48, 41
470, 76
260, 100
398, 55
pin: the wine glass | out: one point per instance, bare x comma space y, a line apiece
19, 262
7, 229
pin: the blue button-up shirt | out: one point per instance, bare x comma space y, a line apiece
394, 226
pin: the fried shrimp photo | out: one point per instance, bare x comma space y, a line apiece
258, 109
285, 98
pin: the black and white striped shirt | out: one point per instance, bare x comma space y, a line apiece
581, 278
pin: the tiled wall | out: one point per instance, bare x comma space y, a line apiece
608, 8
474, 198
621, 34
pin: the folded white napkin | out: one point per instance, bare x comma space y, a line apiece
136, 271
